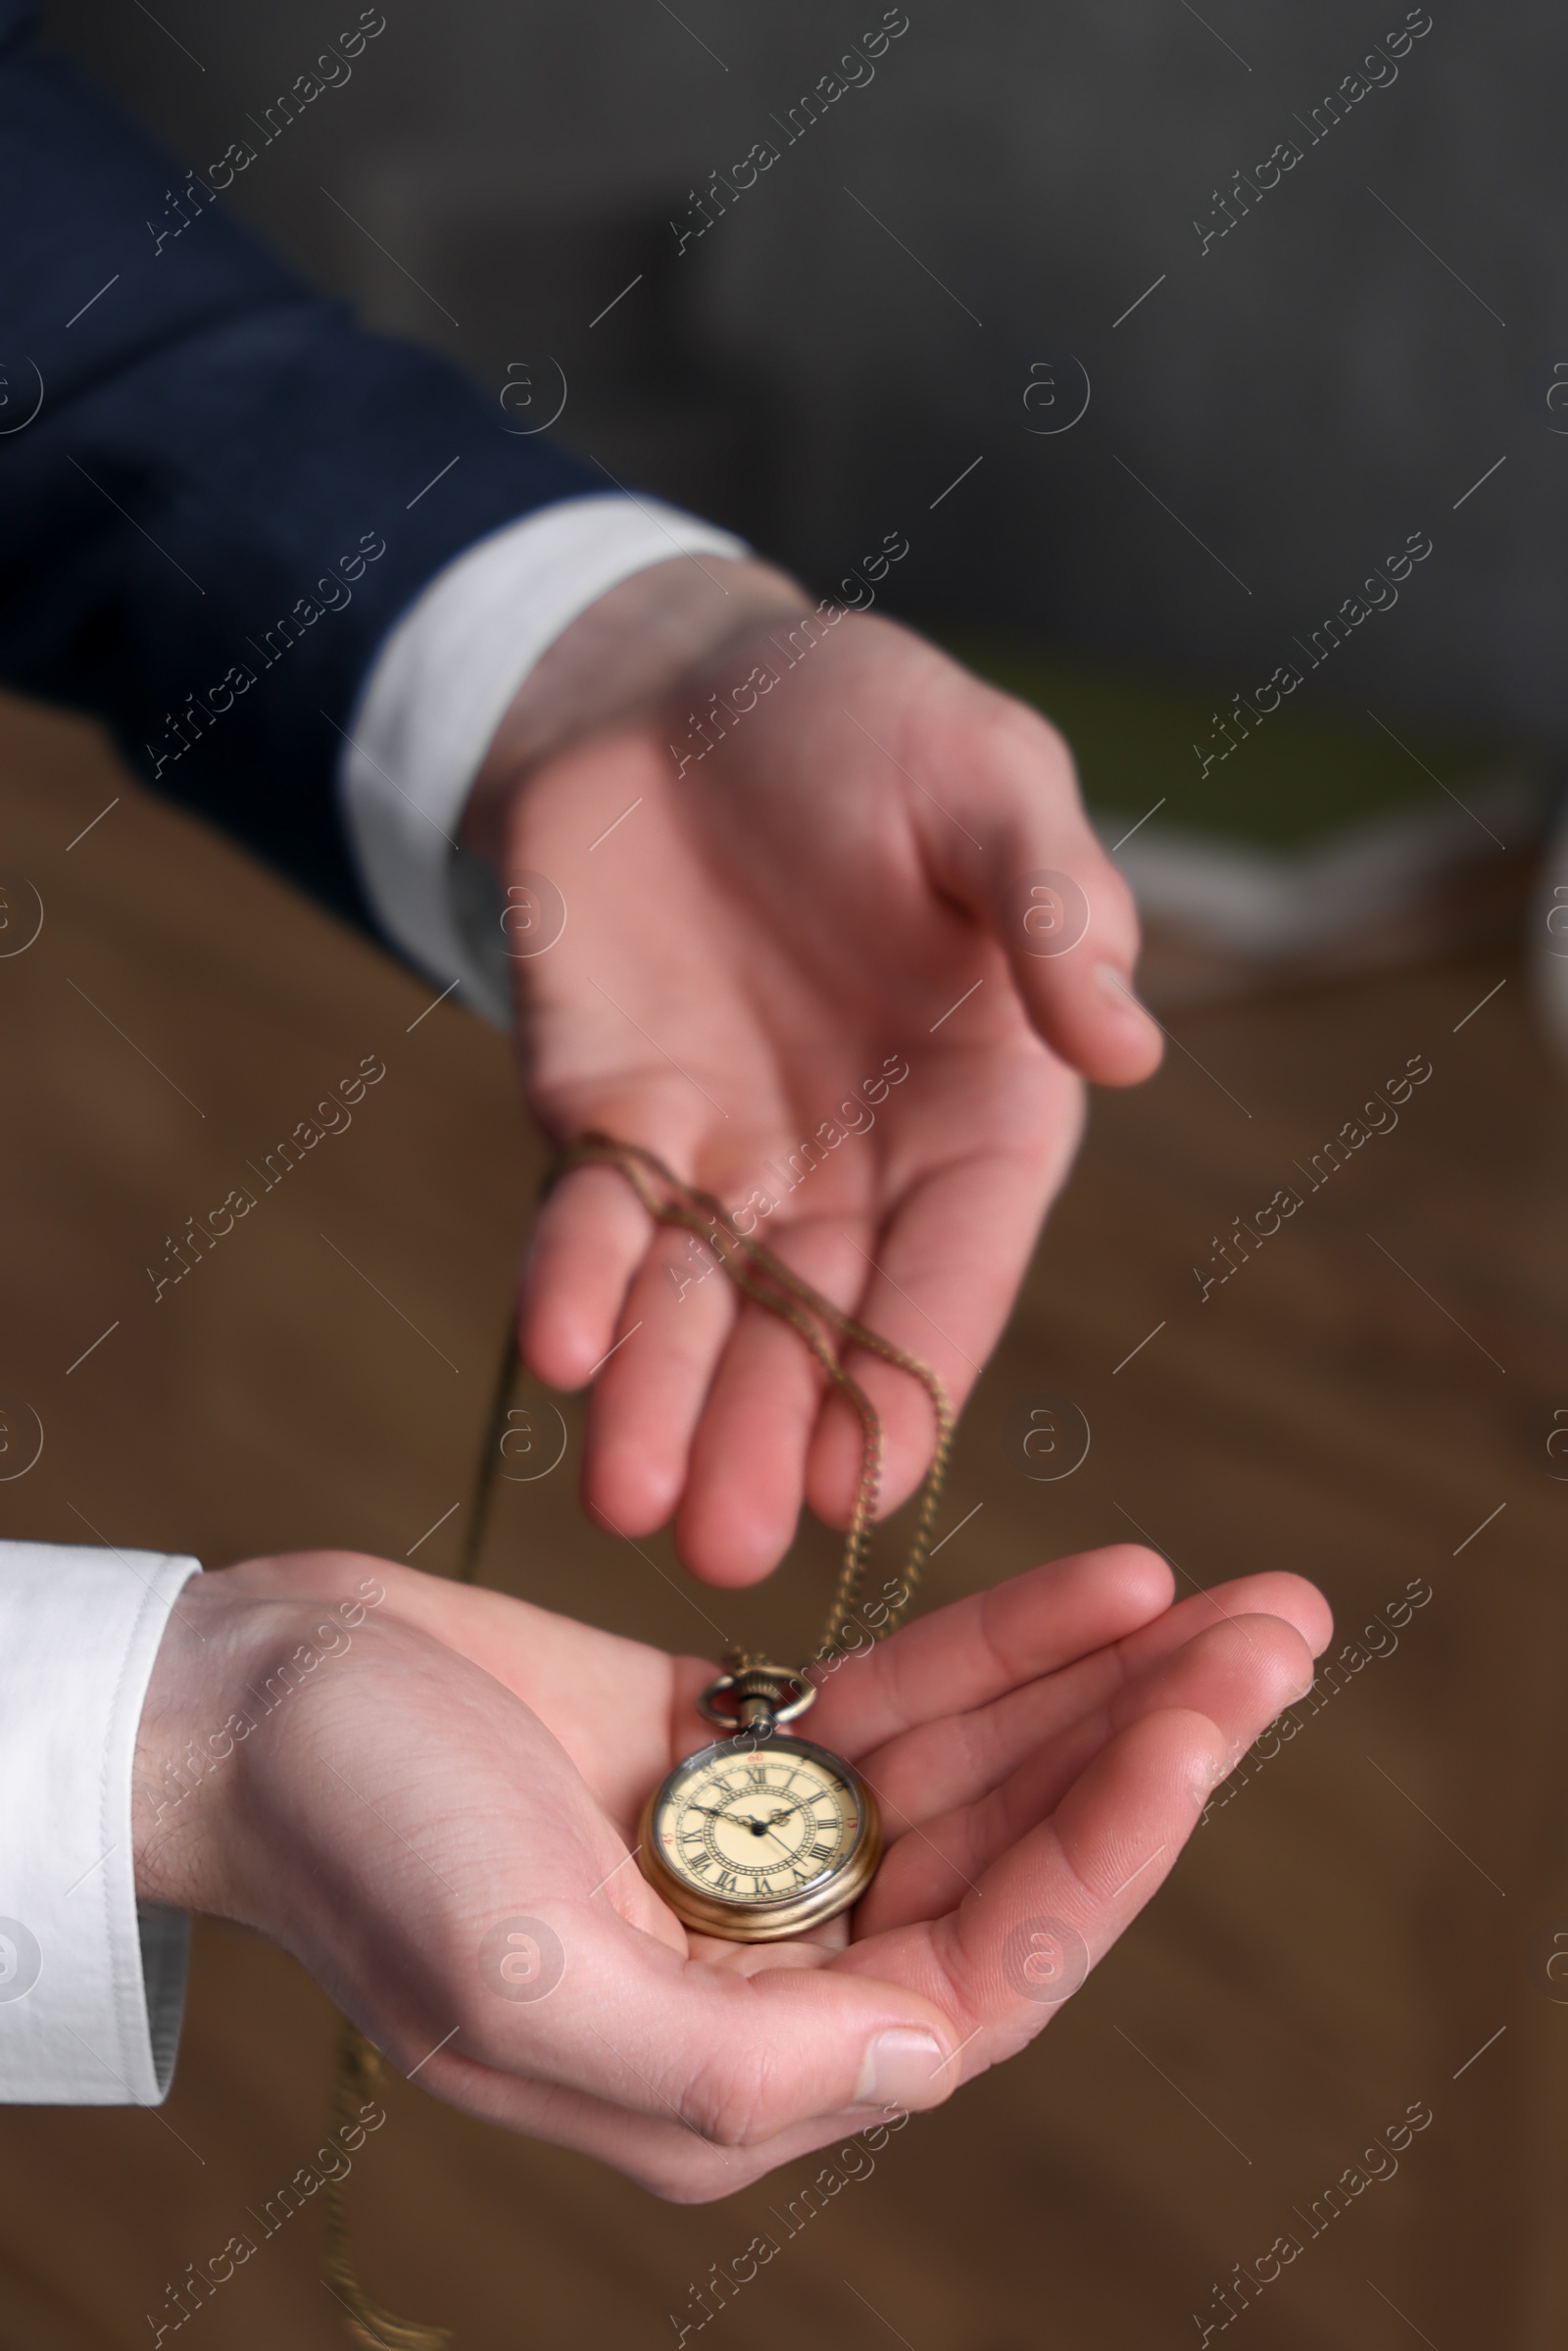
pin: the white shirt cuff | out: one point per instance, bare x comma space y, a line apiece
439, 688
91, 1987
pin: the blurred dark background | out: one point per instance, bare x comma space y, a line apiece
1303, 394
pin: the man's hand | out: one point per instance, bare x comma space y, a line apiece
806, 958
393, 1788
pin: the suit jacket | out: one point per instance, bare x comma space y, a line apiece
209, 478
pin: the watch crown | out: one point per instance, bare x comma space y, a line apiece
752, 1692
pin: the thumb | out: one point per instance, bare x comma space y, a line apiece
737, 2058
1027, 864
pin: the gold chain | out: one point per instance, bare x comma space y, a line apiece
361, 2067
765, 1278
771, 1284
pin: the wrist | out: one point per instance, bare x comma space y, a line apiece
627, 656
230, 1655
177, 1798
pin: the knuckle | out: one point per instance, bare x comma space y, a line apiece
1116, 897
732, 2103
1028, 740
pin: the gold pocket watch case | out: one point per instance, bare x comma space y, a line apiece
759, 1836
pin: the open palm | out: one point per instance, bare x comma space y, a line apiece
810, 970
465, 1778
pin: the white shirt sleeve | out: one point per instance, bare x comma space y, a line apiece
436, 693
91, 1984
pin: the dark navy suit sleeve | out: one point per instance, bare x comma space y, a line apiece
212, 485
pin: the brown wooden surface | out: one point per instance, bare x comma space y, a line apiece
1335, 1945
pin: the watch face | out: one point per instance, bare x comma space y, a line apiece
749, 1838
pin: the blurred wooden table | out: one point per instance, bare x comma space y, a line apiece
1372, 1908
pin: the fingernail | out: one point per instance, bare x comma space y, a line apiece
903, 2068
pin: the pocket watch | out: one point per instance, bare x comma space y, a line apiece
758, 1836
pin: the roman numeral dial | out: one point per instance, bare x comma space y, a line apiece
754, 1839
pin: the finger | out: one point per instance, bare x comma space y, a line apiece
589, 1238
1271, 1593
748, 1458
661, 2155
940, 1283
942, 1763
1068, 1888
1239, 1675
963, 1656
651, 1387
1028, 866
732, 2058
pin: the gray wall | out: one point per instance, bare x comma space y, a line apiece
1302, 395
